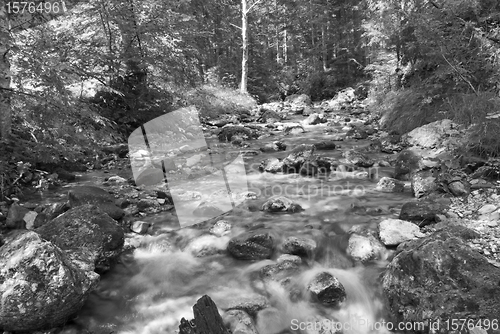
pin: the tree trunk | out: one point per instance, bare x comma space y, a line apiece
285, 48
244, 39
5, 77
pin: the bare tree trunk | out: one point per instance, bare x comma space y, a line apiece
244, 38
5, 77
285, 48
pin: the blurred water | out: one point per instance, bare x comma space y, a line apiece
157, 284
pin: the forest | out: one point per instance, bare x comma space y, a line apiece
389, 109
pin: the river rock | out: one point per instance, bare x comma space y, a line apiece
299, 246
357, 158
440, 276
315, 119
327, 290
149, 177
309, 168
140, 227
270, 117
293, 128
406, 163
90, 237
390, 185
228, 132
221, 228
251, 246
281, 204
289, 258
279, 271
117, 179
207, 209
207, 245
15, 216
431, 135
39, 285
93, 195
357, 132
299, 99
272, 165
250, 304
364, 248
423, 183
239, 322
273, 147
120, 149
298, 156
393, 232
325, 145
422, 213
64, 175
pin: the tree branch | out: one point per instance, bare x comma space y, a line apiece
435, 4
234, 25
460, 74
252, 6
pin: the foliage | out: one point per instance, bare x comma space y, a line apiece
213, 101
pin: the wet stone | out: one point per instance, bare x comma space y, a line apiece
327, 290
251, 246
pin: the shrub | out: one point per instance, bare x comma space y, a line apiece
214, 100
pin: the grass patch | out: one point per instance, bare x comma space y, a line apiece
214, 101
404, 110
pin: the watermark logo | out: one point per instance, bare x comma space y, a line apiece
172, 150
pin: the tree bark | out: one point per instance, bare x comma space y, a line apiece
244, 41
5, 77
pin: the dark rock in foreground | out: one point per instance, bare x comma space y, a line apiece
441, 277
206, 319
40, 286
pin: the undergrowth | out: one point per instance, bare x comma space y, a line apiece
216, 100
406, 109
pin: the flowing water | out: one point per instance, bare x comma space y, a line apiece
157, 284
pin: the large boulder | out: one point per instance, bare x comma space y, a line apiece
434, 135
90, 237
40, 287
251, 246
93, 195
440, 278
